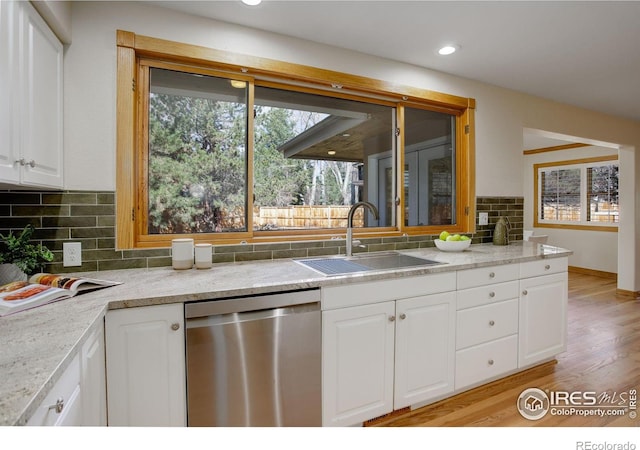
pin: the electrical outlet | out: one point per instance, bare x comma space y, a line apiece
71, 254
483, 218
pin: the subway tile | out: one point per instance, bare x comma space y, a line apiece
77, 233
223, 257
32, 210
106, 221
92, 210
106, 198
324, 251
233, 248
159, 262
69, 222
407, 245
18, 223
297, 253
306, 244
146, 253
101, 255
272, 246
69, 198
19, 198
253, 256
106, 242
115, 264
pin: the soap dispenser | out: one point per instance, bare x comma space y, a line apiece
501, 231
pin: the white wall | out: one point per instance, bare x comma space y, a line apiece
596, 250
90, 91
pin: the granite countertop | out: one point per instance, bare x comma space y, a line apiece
38, 344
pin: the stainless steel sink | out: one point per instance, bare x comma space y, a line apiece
341, 265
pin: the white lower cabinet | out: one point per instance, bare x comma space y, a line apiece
79, 396
385, 356
146, 384
543, 318
63, 405
425, 348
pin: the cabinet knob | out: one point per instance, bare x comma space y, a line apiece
492, 294
547, 267
175, 326
490, 362
492, 275
403, 316
392, 318
491, 323
59, 406
524, 292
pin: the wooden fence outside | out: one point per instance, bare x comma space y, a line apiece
304, 217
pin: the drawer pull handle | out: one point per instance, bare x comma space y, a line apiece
491, 323
392, 318
492, 275
492, 294
403, 316
175, 326
524, 292
59, 406
547, 267
490, 362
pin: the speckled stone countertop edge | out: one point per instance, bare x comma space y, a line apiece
147, 287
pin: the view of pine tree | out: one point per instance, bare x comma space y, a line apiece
197, 167
278, 181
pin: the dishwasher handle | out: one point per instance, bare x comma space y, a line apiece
250, 303
253, 316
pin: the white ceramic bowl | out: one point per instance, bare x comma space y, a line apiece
452, 246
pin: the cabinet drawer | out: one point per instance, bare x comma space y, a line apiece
543, 267
486, 323
486, 275
484, 295
486, 361
67, 391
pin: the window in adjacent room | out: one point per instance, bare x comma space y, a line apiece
580, 193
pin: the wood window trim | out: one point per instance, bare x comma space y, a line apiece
536, 195
131, 47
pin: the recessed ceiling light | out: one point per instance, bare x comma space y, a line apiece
251, 2
331, 152
448, 49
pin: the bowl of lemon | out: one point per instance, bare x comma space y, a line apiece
452, 242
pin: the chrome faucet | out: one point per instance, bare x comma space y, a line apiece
352, 211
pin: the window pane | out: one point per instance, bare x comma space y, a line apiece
197, 154
315, 156
560, 192
602, 186
430, 168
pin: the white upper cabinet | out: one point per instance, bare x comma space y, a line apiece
31, 81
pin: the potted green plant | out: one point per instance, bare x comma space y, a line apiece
19, 257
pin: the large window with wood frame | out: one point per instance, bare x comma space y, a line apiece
577, 194
226, 155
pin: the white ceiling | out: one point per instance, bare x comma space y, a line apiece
583, 53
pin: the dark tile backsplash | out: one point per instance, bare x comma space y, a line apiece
89, 218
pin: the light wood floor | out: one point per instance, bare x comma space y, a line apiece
603, 355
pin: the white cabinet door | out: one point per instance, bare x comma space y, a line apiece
543, 318
9, 172
146, 383
425, 348
357, 363
41, 100
94, 386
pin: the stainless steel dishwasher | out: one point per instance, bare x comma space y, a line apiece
255, 361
